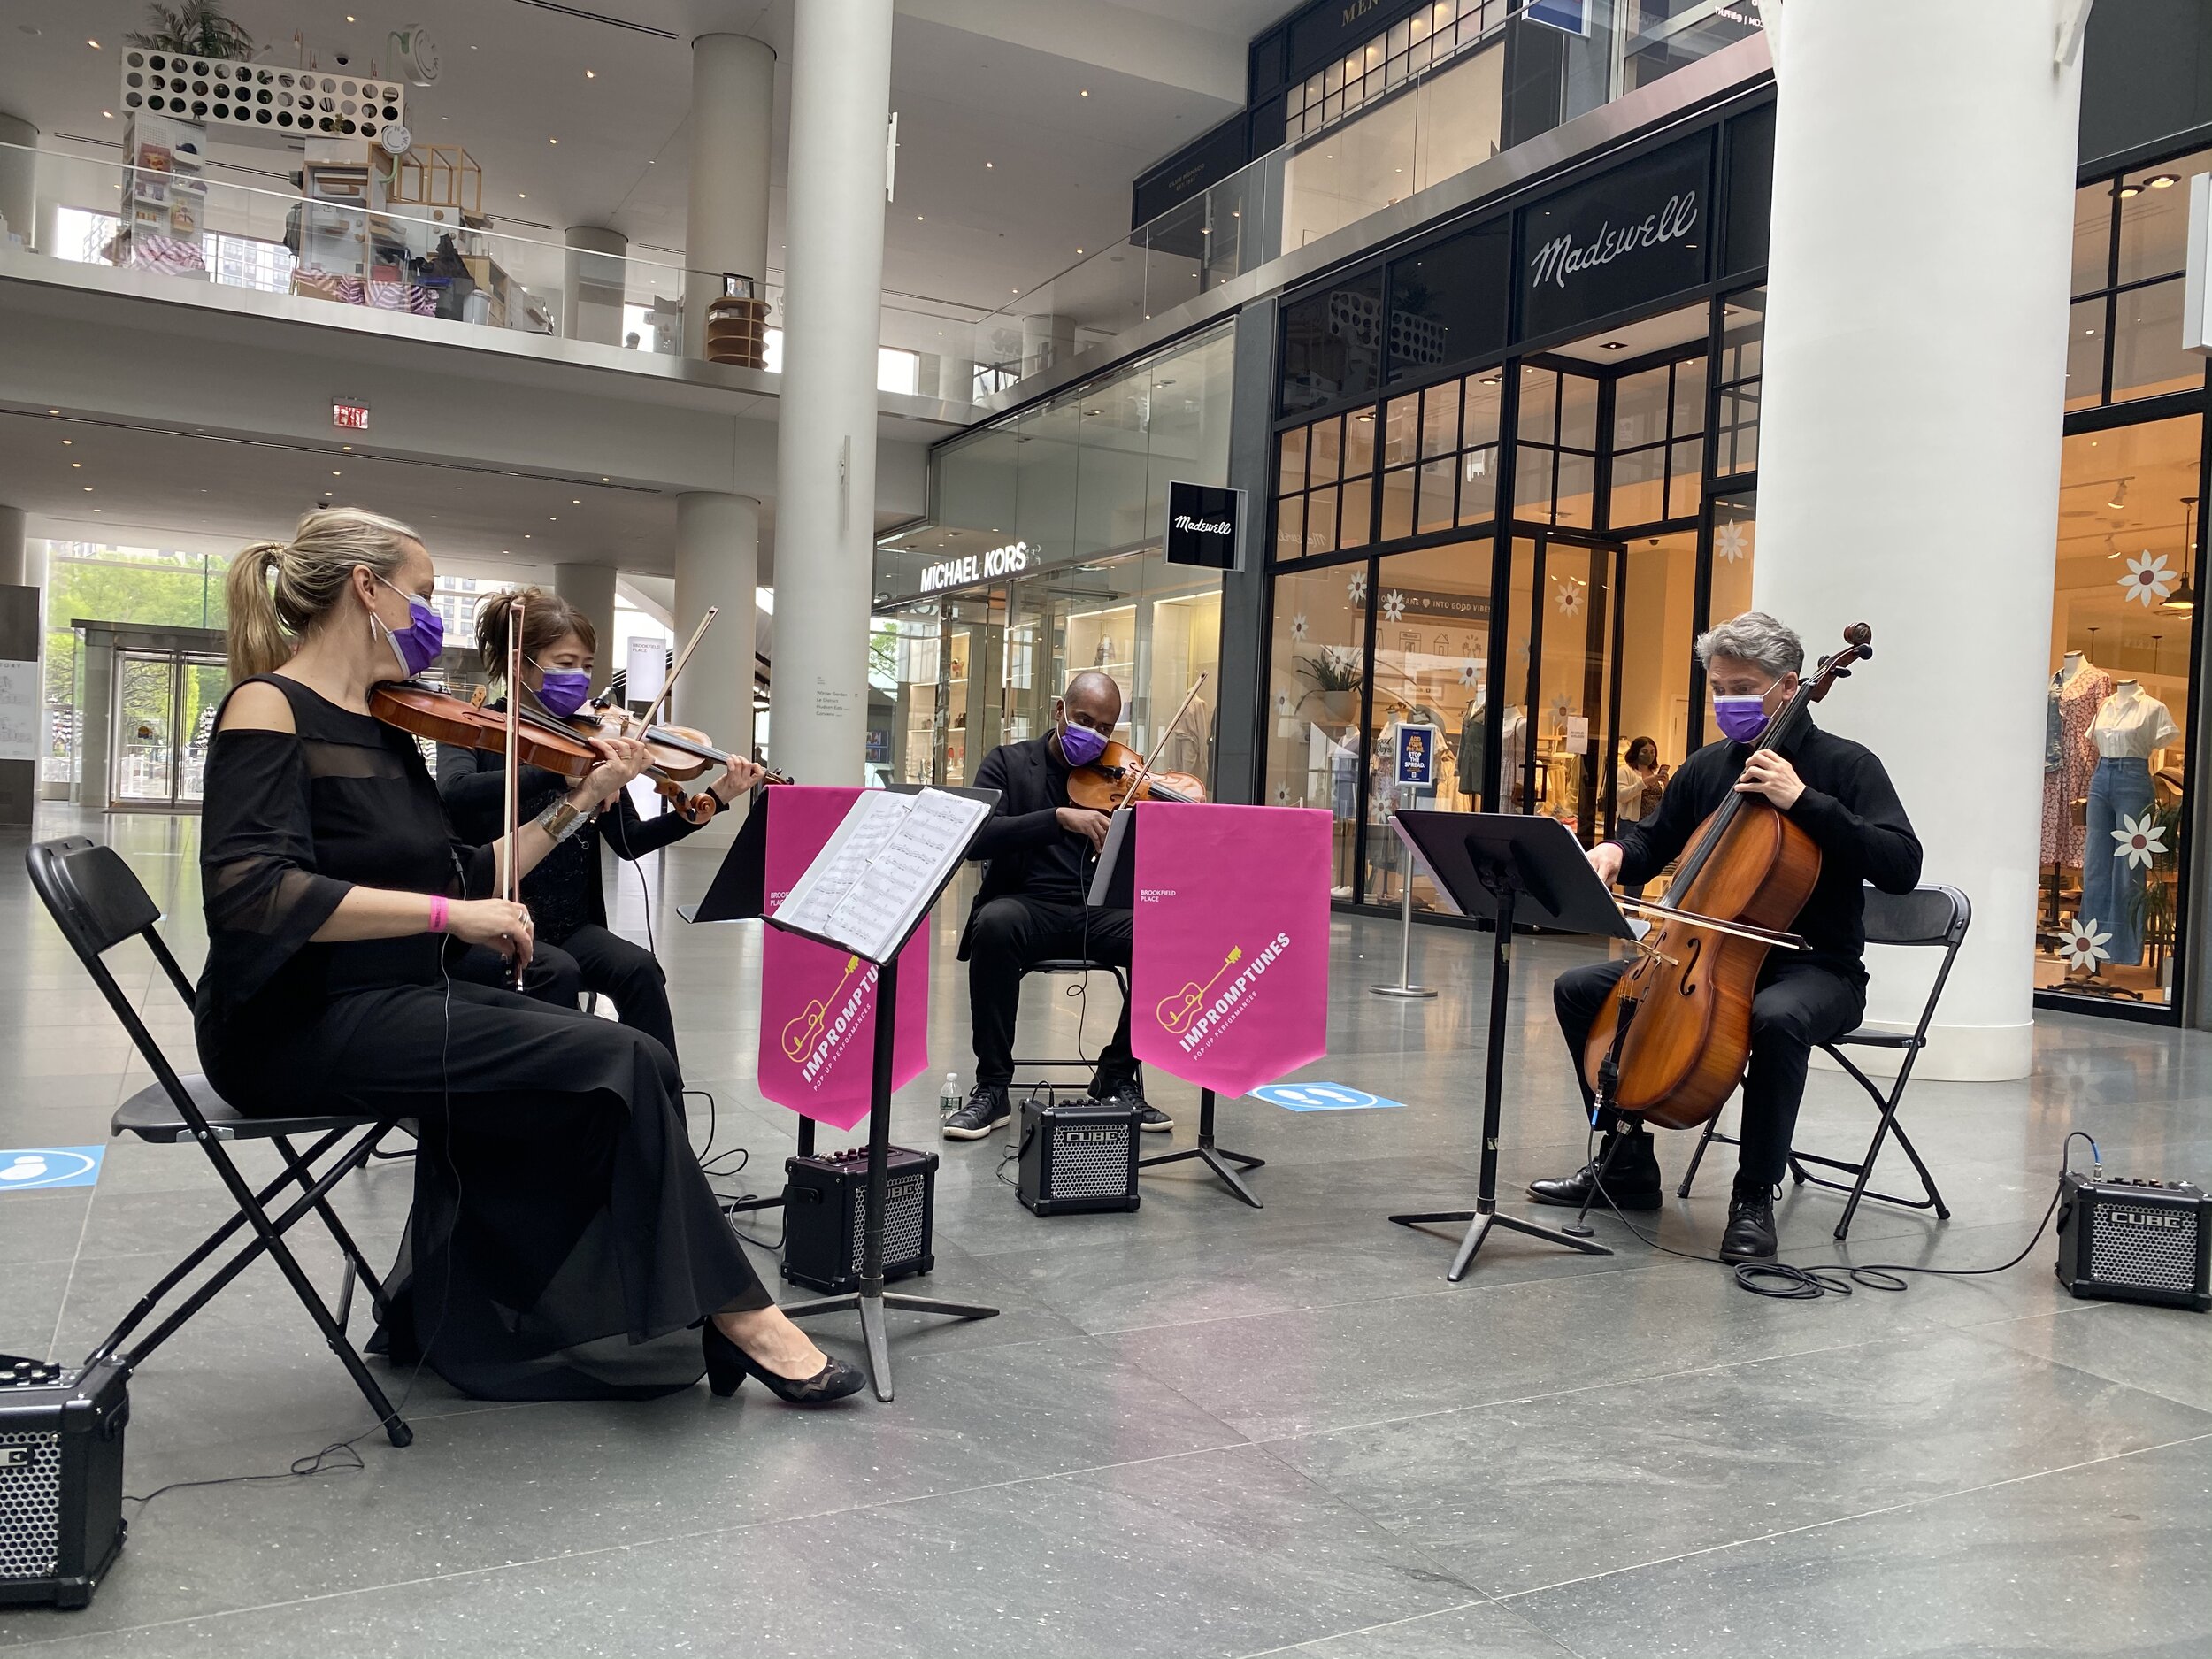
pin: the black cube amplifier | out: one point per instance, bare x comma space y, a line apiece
826, 1211
61, 1478
2135, 1241
1076, 1155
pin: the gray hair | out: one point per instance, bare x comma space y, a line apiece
1754, 637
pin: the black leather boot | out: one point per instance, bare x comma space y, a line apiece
1632, 1184
1750, 1235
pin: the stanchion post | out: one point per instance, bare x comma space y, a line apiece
1405, 987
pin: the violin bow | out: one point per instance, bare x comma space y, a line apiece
653, 709
1145, 771
510, 882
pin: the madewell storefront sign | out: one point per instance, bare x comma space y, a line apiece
1617, 242
1009, 560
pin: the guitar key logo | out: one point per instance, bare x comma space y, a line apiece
1198, 1022
821, 1032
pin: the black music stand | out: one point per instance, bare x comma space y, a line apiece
872, 1299
1507, 867
1113, 883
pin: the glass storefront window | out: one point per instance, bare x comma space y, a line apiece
1743, 339
1317, 670
2119, 710
1735, 528
1431, 668
1659, 604
2124, 338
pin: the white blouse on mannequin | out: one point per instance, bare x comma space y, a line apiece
2132, 724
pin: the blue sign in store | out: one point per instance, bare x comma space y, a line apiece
1417, 756
40, 1169
1573, 15
1321, 1097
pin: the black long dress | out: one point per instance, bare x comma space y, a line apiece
562, 1237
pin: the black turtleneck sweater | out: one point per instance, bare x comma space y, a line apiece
1849, 808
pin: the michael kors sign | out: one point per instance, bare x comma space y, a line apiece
1009, 560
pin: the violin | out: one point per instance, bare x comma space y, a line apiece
679, 754
423, 711
1674, 1035
1118, 776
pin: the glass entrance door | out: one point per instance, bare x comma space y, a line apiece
1557, 736
164, 714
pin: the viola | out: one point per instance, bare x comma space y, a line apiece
1674, 1035
1108, 782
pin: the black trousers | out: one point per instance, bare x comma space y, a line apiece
1008, 934
589, 959
1798, 1004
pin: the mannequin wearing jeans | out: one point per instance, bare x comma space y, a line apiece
2130, 728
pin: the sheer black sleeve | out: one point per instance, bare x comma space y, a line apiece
633, 835
263, 896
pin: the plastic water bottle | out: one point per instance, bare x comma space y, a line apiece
948, 1101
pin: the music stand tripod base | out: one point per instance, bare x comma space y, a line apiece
1212, 1155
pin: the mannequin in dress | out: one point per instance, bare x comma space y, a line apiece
2130, 728
2076, 691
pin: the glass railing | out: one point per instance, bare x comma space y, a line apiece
1393, 119
421, 259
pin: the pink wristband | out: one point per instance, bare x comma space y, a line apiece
437, 912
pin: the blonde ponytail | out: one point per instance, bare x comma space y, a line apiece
279, 591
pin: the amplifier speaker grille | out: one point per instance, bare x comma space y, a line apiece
30, 1505
2164, 1258
905, 1220
1091, 1169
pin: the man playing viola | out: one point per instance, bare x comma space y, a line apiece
1039, 851
1841, 796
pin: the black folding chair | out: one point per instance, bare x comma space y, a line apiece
1932, 918
97, 903
1064, 965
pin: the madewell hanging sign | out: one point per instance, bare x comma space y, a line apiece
1625, 239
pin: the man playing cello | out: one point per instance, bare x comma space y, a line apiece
1839, 793
1037, 850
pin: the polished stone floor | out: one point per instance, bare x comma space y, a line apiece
1199, 1429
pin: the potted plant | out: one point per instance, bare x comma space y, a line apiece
197, 28
1335, 674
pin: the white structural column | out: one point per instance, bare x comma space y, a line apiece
717, 563
825, 447
590, 588
593, 285
1915, 373
19, 177
733, 124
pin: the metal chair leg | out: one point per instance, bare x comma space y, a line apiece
1697, 1157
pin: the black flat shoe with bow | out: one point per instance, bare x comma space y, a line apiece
728, 1365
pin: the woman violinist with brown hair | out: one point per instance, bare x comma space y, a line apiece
563, 1238
575, 949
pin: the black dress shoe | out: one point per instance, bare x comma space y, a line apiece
987, 1107
1632, 1184
1750, 1235
728, 1366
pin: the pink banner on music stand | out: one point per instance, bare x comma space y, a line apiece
1229, 976
817, 1004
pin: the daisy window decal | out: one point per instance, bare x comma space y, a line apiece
1357, 587
1569, 598
1282, 794
2148, 578
1394, 605
1298, 626
1731, 543
2139, 839
2083, 944
1283, 703
1471, 673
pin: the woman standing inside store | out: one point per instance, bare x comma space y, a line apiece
563, 1238
565, 893
1637, 788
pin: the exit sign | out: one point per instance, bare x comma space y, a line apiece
350, 417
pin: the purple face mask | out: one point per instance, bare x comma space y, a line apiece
562, 690
1081, 745
1741, 720
418, 644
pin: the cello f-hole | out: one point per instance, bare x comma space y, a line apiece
1691, 953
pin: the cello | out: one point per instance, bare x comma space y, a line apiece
1673, 1038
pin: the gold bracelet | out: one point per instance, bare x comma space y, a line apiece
561, 820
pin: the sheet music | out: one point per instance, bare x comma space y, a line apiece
873, 879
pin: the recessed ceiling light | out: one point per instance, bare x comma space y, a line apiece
65, 443
525, 535
94, 44
990, 163
1078, 250
76, 464
918, 219
53, 411
108, 114
337, 475
2164, 179
1614, 345
347, 447
1084, 93
591, 74
522, 195
87, 490
2128, 190
606, 480
552, 141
